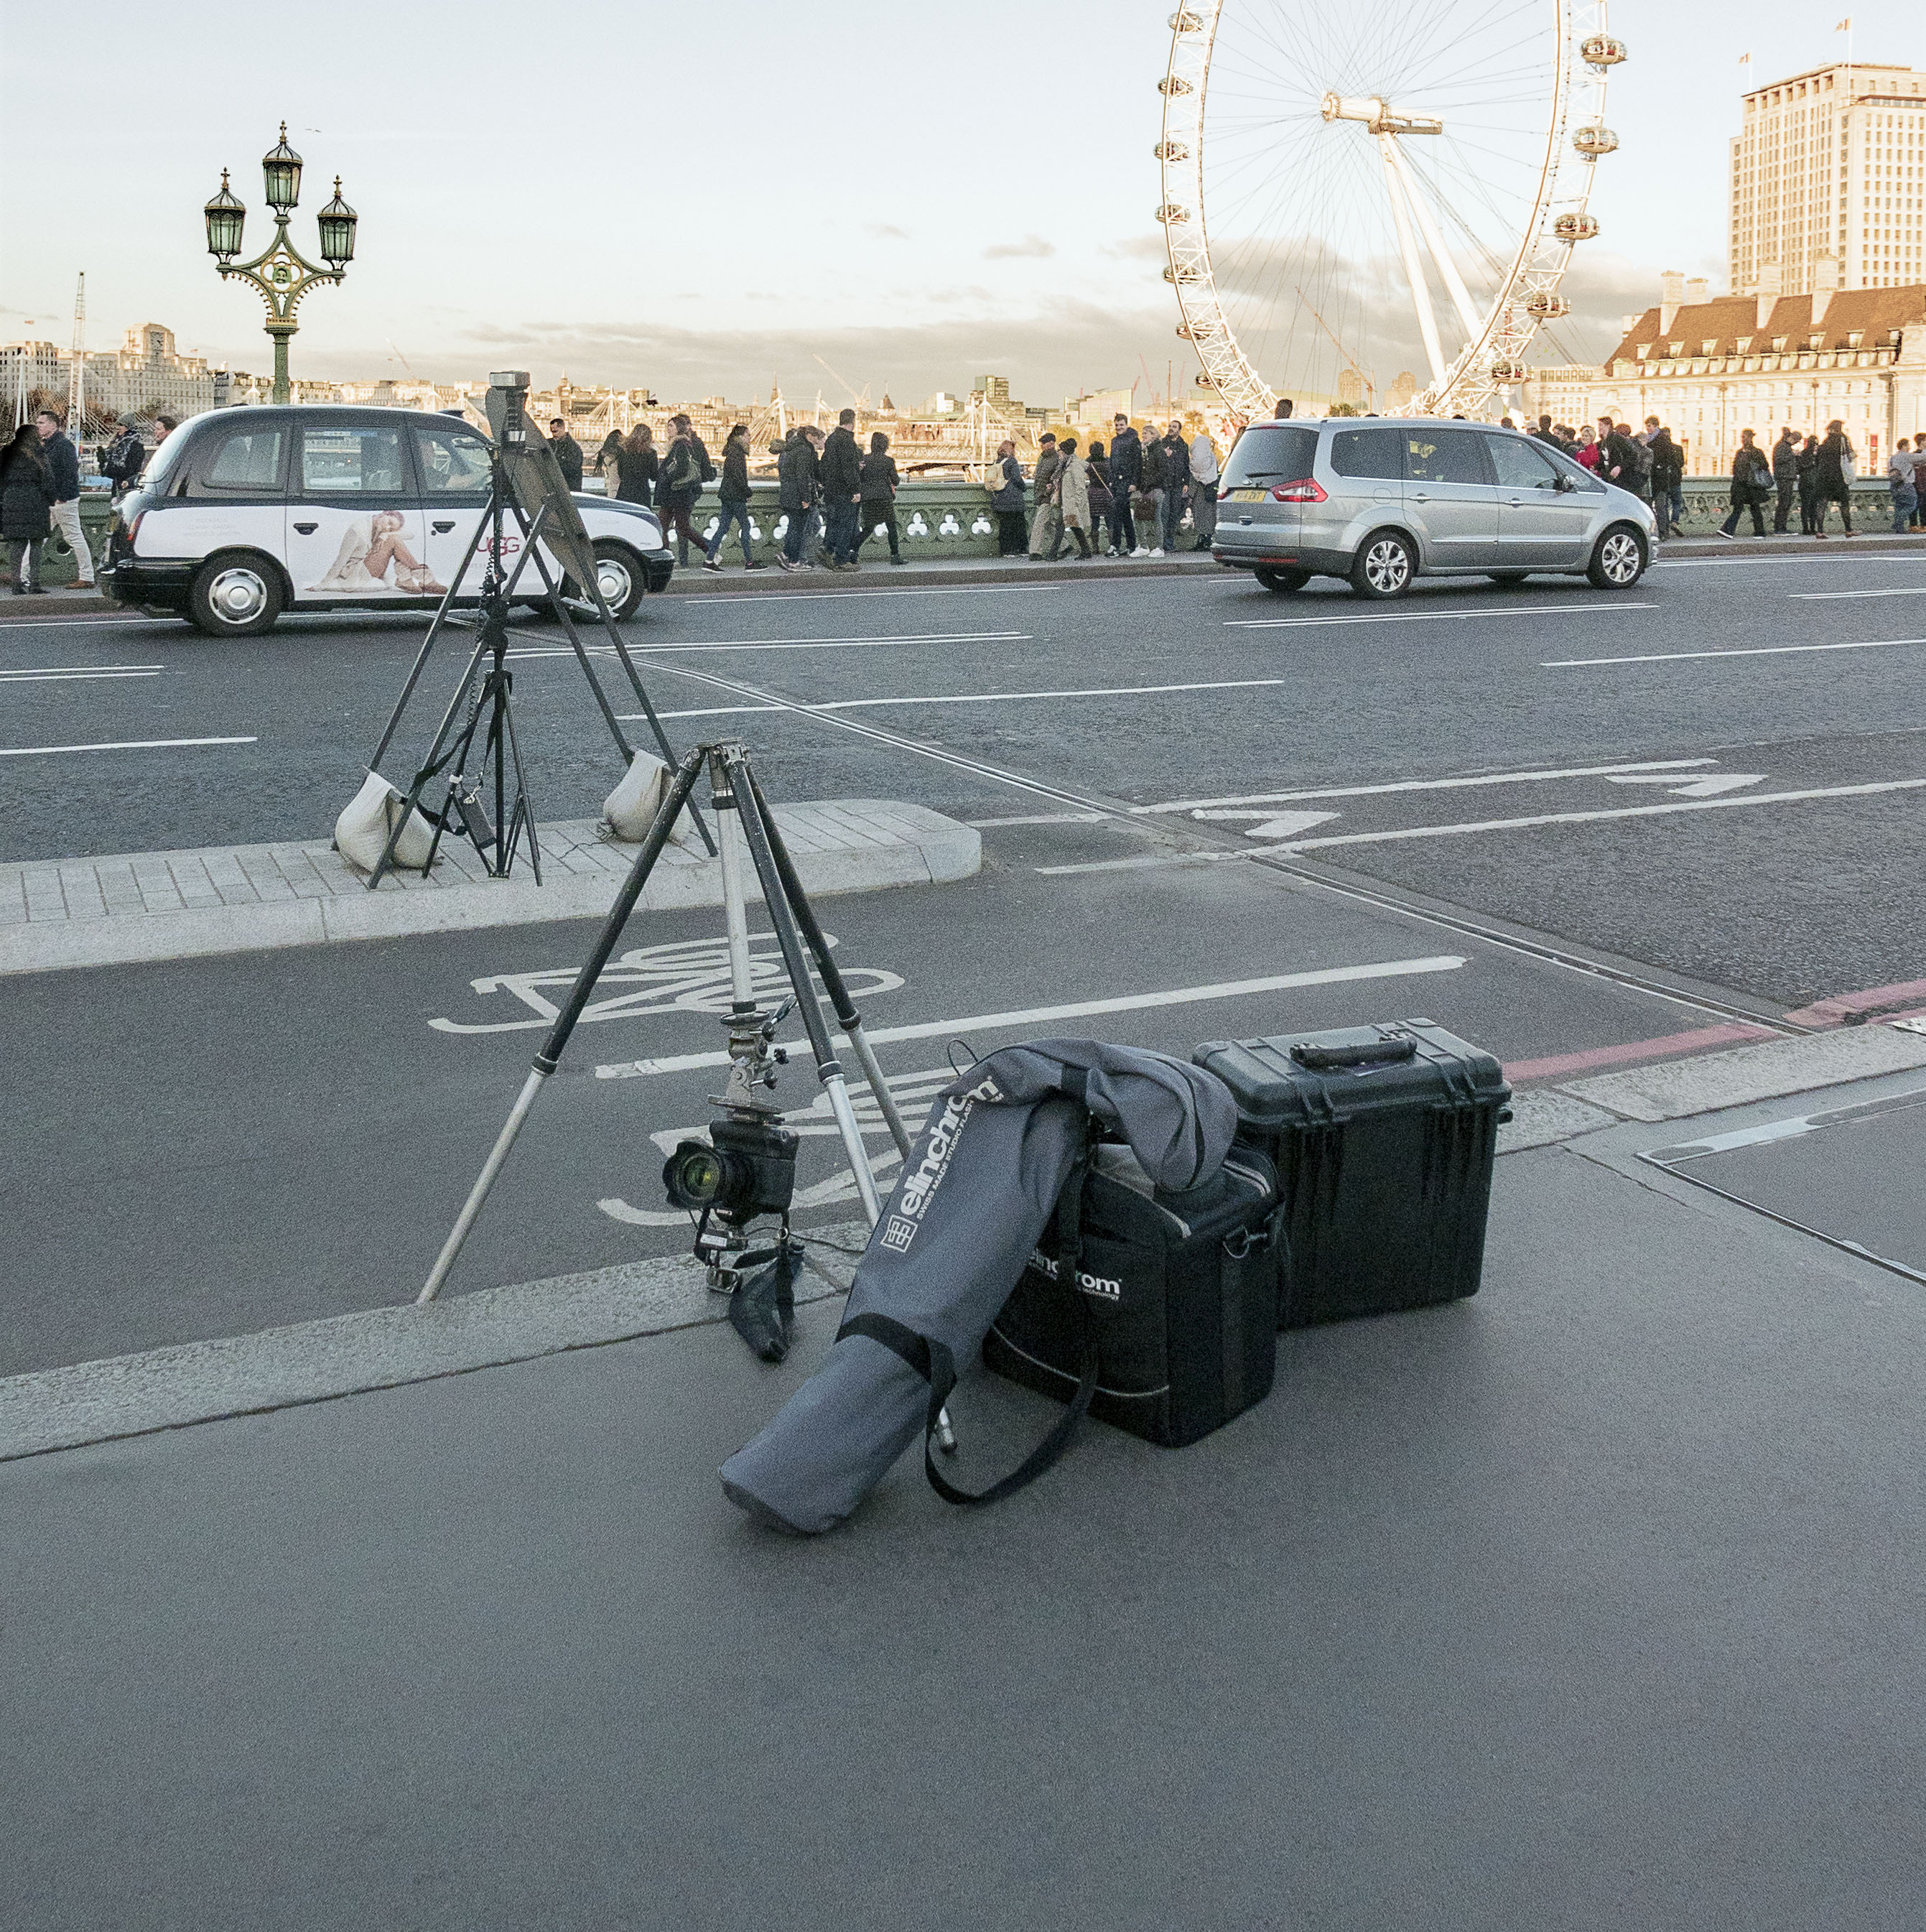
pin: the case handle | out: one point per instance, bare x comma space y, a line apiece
1308, 1053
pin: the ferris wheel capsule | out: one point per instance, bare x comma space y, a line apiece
1507, 372
1494, 148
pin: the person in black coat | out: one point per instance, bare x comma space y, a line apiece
636, 465
1126, 474
1751, 486
1835, 453
26, 508
734, 493
123, 459
567, 453
1004, 479
1101, 516
796, 490
842, 492
1785, 478
1808, 461
877, 497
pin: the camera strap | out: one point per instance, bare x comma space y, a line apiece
933, 1361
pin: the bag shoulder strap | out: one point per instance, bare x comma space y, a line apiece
933, 1361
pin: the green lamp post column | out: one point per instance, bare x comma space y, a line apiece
281, 274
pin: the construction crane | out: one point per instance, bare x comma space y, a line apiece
864, 406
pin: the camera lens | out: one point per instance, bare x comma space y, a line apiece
694, 1175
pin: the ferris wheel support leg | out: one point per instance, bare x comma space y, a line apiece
1420, 292
1461, 296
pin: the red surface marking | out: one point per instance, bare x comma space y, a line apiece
1840, 1007
1638, 1049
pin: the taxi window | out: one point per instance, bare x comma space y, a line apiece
347, 461
455, 462
241, 463
1445, 456
1519, 466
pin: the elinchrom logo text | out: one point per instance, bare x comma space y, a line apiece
1104, 1287
919, 1185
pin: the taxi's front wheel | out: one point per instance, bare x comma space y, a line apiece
236, 595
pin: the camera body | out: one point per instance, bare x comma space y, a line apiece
746, 1168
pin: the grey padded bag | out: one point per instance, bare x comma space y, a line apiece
974, 1198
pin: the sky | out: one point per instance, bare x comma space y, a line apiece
852, 195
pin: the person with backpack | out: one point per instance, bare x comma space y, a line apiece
1785, 478
680, 485
1751, 486
877, 497
1004, 479
1097, 464
26, 508
796, 485
1205, 477
734, 493
1837, 472
1126, 474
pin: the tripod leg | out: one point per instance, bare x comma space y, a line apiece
847, 1017
549, 1057
523, 815
428, 644
828, 1070
428, 766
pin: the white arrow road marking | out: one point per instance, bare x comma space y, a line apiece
1125, 1003
1285, 825
1710, 786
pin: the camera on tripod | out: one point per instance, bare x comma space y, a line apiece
744, 1168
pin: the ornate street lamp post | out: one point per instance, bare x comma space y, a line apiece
282, 274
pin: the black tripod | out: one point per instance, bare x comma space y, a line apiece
722, 1240
481, 706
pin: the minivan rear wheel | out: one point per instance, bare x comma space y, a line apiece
236, 595
1282, 581
1384, 566
1618, 558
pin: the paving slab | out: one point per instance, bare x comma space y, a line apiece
114, 910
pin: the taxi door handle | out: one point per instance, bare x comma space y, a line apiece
306, 529
442, 530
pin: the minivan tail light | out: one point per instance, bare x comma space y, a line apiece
1306, 490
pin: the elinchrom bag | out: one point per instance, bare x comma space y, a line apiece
972, 1201
1179, 1292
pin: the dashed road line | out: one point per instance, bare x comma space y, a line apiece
1537, 777
1438, 616
1747, 651
126, 745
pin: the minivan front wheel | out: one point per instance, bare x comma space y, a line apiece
236, 595
1282, 581
1618, 558
1384, 566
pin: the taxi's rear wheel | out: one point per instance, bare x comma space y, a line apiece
237, 594
619, 575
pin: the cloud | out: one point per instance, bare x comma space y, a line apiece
887, 231
1031, 245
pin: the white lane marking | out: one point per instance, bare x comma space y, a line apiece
1009, 697
81, 619
89, 672
1434, 617
1826, 596
1855, 557
1044, 818
1710, 786
1592, 817
1282, 825
797, 644
130, 744
1149, 859
1126, 1003
1194, 805
934, 590
1748, 651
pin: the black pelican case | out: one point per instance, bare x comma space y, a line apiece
1383, 1138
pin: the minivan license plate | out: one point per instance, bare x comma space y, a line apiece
1248, 496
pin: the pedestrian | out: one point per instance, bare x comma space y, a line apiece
637, 466
1097, 464
1545, 433
1046, 522
63, 472
567, 453
1624, 461
815, 526
1905, 493
608, 462
1919, 481
1587, 454
1150, 497
1073, 487
26, 508
123, 458
1282, 411
877, 496
1838, 471
1204, 477
796, 484
163, 427
842, 492
1177, 483
1125, 474
678, 484
1004, 481
734, 492
1785, 478
1809, 486
1668, 465
1751, 486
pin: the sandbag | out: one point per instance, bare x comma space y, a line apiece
360, 833
966, 1215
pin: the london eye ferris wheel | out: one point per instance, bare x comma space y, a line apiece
1336, 171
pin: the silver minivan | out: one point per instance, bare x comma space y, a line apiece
1380, 501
